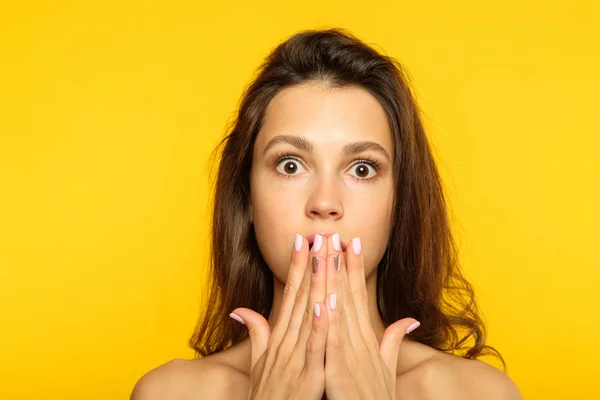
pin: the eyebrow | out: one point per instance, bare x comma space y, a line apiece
302, 143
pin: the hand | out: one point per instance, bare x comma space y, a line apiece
289, 362
357, 366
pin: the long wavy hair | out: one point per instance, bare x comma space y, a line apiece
419, 274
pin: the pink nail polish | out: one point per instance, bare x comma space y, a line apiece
298, 242
413, 327
317, 243
317, 310
332, 301
335, 241
356, 246
237, 318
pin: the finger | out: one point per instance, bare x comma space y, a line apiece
355, 270
391, 340
339, 347
316, 295
336, 262
315, 347
296, 274
339, 351
356, 303
332, 272
303, 311
364, 342
258, 329
334, 342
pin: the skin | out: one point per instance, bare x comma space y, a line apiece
328, 192
332, 193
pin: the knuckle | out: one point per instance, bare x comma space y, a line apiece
335, 343
307, 317
290, 289
301, 292
313, 346
317, 327
333, 318
362, 296
251, 331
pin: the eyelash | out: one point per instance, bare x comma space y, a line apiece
364, 160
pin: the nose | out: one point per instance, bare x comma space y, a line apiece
325, 201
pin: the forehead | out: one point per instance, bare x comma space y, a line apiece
326, 116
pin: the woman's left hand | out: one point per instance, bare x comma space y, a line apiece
357, 366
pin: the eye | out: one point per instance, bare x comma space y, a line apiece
289, 165
362, 168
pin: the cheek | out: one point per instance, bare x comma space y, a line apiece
372, 222
276, 221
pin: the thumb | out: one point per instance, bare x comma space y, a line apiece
392, 337
258, 329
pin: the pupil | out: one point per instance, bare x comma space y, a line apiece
290, 167
362, 171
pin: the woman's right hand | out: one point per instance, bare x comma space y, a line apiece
289, 363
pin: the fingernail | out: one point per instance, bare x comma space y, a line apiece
356, 245
335, 240
298, 242
317, 310
413, 327
332, 301
318, 242
237, 318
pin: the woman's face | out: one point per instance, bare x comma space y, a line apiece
307, 175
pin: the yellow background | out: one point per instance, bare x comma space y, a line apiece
108, 113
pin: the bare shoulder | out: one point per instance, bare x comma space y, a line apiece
191, 379
484, 379
452, 377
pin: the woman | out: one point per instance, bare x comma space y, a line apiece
331, 242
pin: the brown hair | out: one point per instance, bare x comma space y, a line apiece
419, 274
